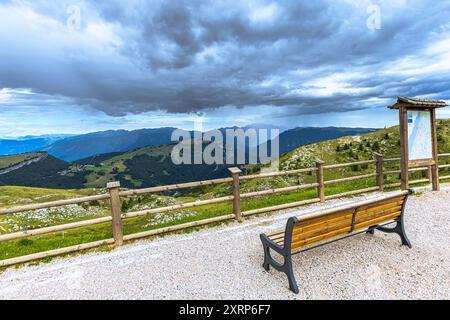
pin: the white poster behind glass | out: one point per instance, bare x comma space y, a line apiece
419, 135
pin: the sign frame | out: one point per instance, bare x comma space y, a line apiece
406, 164
421, 161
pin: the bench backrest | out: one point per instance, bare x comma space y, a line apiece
307, 230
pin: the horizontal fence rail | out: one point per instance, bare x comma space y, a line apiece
353, 178
175, 207
349, 164
115, 195
62, 227
53, 204
276, 174
175, 187
279, 190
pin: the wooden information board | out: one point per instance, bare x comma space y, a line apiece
418, 139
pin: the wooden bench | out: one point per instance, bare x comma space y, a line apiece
318, 229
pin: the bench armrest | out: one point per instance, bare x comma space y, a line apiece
276, 247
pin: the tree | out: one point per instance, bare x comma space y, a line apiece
125, 206
351, 154
376, 146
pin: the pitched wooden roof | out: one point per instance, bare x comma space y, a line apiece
418, 103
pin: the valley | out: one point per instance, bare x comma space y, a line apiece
107, 167
137, 159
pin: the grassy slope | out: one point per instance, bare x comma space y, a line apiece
17, 196
345, 149
7, 161
101, 175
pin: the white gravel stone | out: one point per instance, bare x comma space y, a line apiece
225, 263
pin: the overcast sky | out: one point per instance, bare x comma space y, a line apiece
134, 64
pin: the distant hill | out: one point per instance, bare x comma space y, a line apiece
86, 145
359, 147
153, 166
149, 166
143, 167
27, 144
293, 138
44, 173
13, 160
73, 148
97, 159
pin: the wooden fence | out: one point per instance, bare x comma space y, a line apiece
117, 217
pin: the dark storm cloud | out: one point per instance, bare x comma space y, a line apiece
188, 56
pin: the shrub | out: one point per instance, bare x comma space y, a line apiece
376, 146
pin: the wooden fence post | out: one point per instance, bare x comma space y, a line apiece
320, 180
435, 166
117, 228
428, 173
236, 193
380, 169
404, 158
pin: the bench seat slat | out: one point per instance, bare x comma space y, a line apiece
299, 244
328, 225
328, 228
369, 208
373, 215
301, 229
379, 220
381, 207
313, 221
335, 226
360, 215
338, 225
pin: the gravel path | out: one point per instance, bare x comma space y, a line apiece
225, 263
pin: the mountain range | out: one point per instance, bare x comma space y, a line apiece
28, 143
92, 160
71, 148
86, 145
293, 138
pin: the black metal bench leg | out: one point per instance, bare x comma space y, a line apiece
371, 230
400, 230
267, 257
287, 268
